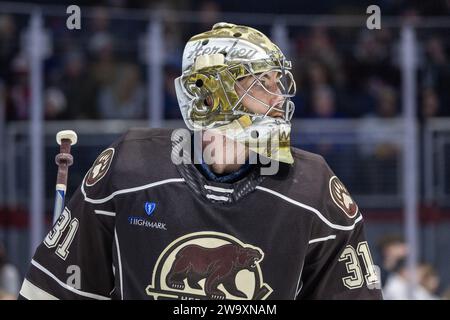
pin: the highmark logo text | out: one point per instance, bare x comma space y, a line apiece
139, 221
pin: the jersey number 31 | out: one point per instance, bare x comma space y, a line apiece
350, 256
54, 236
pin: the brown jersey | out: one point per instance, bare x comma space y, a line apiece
141, 227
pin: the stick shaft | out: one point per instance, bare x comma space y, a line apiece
64, 159
60, 195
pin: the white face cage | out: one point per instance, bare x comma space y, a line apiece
284, 87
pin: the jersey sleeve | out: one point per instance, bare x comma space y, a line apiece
75, 260
338, 263
340, 268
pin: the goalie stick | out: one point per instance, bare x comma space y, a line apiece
64, 160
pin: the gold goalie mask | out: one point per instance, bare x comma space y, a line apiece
214, 62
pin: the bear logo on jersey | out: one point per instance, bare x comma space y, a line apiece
100, 167
216, 265
342, 198
209, 265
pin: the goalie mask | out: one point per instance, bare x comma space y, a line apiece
224, 67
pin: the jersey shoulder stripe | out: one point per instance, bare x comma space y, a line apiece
313, 210
128, 190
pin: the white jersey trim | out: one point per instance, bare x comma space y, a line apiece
333, 236
105, 213
299, 282
119, 260
31, 292
66, 286
315, 211
299, 288
218, 189
219, 198
150, 185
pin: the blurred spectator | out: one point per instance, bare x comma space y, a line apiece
124, 97
435, 51
398, 287
101, 46
436, 75
20, 89
324, 103
9, 276
429, 279
378, 145
120, 94
372, 50
430, 105
100, 21
320, 65
171, 108
317, 74
8, 44
79, 87
369, 63
392, 248
323, 100
54, 104
209, 14
173, 44
387, 104
101, 49
315, 81
320, 48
